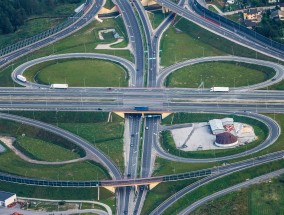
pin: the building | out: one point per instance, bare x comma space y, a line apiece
220, 125
281, 6
231, 1
272, 1
227, 121
216, 126
226, 139
7, 198
251, 17
279, 13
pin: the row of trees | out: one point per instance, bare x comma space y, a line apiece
13, 13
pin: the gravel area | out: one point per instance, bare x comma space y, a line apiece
199, 136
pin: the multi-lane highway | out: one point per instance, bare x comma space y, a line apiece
235, 35
40, 97
83, 21
135, 38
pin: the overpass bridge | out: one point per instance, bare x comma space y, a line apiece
147, 113
108, 184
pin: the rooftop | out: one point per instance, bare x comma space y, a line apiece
5, 195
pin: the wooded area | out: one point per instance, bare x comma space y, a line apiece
14, 13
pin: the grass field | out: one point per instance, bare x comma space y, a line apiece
166, 167
86, 170
233, 204
85, 40
92, 126
262, 199
79, 73
60, 193
156, 17
216, 74
192, 41
46, 151
161, 192
223, 183
108, 137
278, 86
109, 4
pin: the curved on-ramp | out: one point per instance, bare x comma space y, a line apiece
123, 62
274, 132
90, 150
279, 69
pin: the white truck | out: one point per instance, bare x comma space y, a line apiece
21, 78
59, 86
219, 89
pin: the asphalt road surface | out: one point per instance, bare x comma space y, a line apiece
83, 21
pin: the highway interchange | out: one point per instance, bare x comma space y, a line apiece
242, 101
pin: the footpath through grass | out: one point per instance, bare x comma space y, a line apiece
92, 126
229, 74
192, 41
264, 199
79, 73
87, 170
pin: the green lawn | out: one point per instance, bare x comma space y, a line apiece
223, 183
233, 204
109, 4
86, 170
60, 193
92, 126
229, 74
263, 199
235, 17
166, 167
46, 151
192, 41
156, 17
85, 40
278, 86
79, 73
108, 137
161, 192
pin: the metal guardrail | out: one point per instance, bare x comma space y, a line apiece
188, 175
222, 21
50, 183
45, 34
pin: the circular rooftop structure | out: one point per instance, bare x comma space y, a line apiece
226, 139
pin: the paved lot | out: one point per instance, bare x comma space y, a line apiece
198, 136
